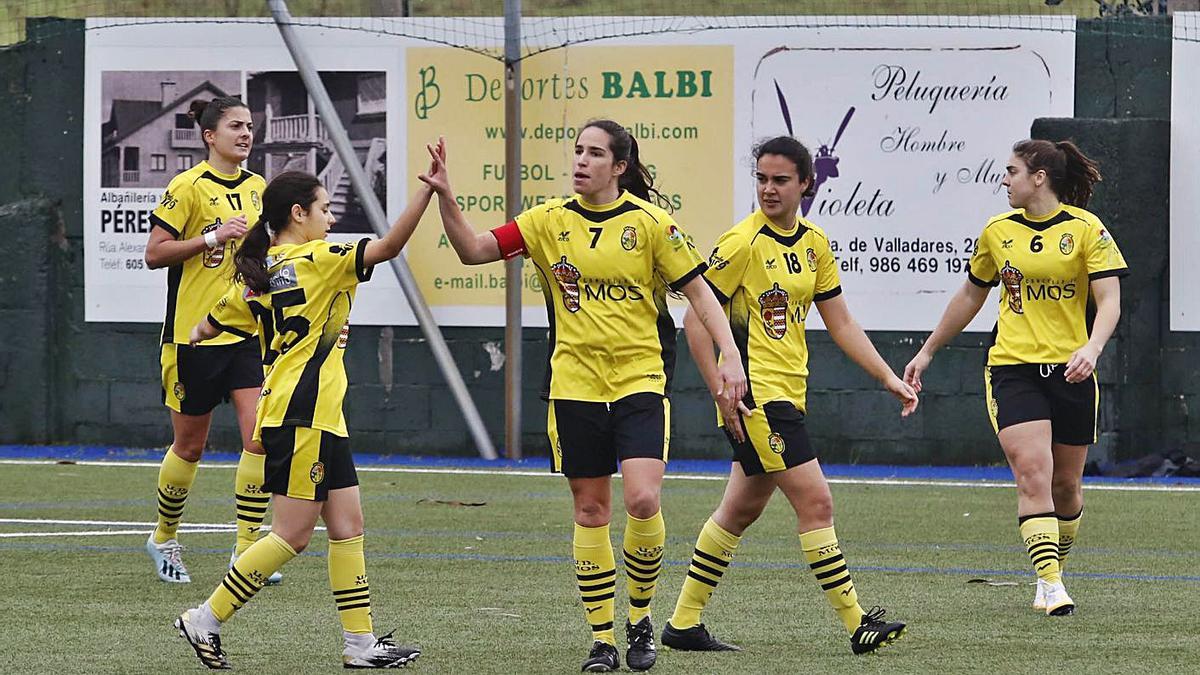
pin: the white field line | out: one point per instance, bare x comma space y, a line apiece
96, 533
145, 527
886, 482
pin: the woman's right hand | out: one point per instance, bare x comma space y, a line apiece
912, 372
437, 178
234, 228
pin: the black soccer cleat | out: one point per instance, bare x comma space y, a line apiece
207, 645
694, 639
602, 659
873, 632
641, 654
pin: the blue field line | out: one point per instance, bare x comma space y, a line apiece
479, 557
678, 466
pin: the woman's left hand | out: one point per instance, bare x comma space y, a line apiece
1082, 364
903, 393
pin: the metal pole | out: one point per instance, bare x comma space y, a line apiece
362, 188
512, 204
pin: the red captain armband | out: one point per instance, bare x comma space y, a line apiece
508, 236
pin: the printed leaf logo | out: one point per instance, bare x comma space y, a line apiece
429, 95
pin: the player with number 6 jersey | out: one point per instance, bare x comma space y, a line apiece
1051, 259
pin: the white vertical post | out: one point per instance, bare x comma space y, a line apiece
375, 215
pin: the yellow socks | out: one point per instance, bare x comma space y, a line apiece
348, 580
251, 502
643, 551
1039, 531
714, 551
175, 478
1068, 529
596, 571
824, 557
249, 574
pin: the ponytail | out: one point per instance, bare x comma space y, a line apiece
1082, 173
285, 191
250, 261
1072, 173
636, 180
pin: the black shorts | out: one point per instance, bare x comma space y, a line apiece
1039, 391
776, 439
588, 438
306, 463
197, 379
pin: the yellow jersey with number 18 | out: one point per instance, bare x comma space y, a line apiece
767, 279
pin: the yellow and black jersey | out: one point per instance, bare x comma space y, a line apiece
605, 271
198, 201
1043, 266
303, 325
768, 279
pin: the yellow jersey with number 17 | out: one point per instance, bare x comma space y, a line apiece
1043, 267
198, 201
303, 323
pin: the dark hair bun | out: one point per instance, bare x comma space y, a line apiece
196, 109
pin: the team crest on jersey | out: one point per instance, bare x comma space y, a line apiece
255, 200
773, 307
629, 238
567, 276
775, 442
179, 391
213, 257
1066, 244
344, 335
1011, 278
1105, 239
317, 473
812, 260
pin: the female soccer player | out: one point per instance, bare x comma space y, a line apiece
768, 271
297, 290
607, 257
1048, 256
196, 228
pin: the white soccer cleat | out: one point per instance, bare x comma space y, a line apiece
203, 632
168, 562
363, 650
275, 579
1039, 599
1058, 603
